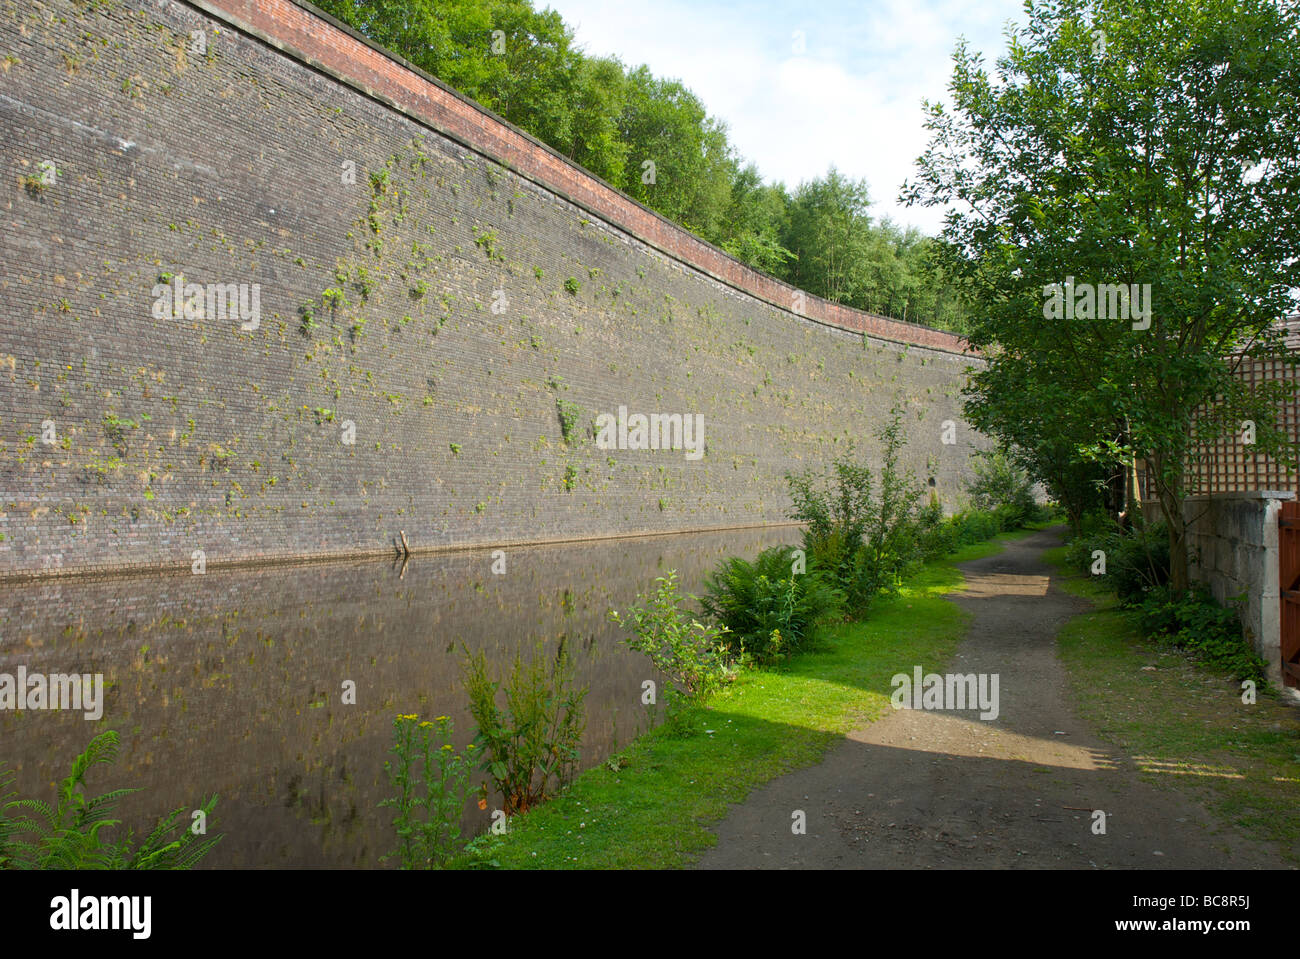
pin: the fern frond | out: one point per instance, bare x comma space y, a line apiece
100, 805
70, 834
45, 809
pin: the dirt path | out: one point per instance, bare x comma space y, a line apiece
944, 789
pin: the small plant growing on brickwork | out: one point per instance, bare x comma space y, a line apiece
115, 429
308, 323
333, 298
486, 241
569, 414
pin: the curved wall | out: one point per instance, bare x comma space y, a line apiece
469, 291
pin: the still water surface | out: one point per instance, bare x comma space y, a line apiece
231, 682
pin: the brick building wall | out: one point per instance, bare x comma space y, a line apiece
483, 287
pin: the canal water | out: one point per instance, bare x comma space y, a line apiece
232, 682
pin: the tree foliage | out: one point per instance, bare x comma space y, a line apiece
1149, 143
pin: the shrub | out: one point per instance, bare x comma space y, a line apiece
975, 526
938, 537
1137, 560
530, 748
765, 606
1009, 517
690, 653
1196, 623
431, 780
935, 534
860, 535
69, 835
1001, 486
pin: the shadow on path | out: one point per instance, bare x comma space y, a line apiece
923, 789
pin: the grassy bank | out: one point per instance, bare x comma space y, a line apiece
651, 806
1184, 723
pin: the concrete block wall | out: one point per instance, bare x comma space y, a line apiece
1233, 539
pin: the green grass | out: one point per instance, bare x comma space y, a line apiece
1183, 723
652, 805
1076, 583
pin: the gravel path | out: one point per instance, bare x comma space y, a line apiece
923, 789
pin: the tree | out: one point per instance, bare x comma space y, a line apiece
664, 124
757, 217
829, 232
595, 142
1153, 144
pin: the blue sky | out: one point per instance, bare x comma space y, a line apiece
851, 98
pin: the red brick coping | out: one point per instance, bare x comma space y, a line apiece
312, 36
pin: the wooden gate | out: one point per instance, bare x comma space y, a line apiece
1288, 542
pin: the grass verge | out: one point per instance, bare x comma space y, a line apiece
1184, 723
651, 805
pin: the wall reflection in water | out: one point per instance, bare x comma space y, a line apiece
231, 682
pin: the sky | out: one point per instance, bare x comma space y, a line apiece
849, 96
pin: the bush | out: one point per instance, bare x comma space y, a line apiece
1136, 560
766, 607
861, 537
69, 835
935, 534
689, 652
938, 537
974, 526
431, 780
1002, 487
530, 748
1197, 624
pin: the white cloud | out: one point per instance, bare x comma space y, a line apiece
853, 99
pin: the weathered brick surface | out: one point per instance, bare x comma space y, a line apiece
175, 434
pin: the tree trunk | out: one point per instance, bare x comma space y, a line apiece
1133, 504
1171, 507
1073, 516
1180, 581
